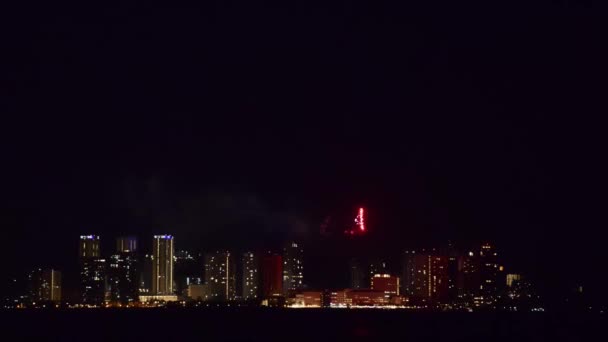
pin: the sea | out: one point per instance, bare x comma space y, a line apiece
271, 324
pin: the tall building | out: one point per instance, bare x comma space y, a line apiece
92, 271
425, 276
489, 271
386, 283
489, 267
89, 247
45, 285
469, 279
251, 276
438, 279
357, 274
452, 277
123, 272
145, 274
93, 281
126, 244
452, 272
415, 274
480, 274
293, 268
272, 275
162, 270
220, 275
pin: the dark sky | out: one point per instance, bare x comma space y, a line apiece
229, 120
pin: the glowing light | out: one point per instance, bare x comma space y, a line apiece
361, 220
359, 227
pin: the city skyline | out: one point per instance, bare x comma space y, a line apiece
264, 276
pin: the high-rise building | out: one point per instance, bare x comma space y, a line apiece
123, 272
425, 276
438, 278
251, 276
488, 268
293, 267
162, 270
93, 281
452, 277
89, 247
480, 274
45, 285
220, 275
469, 281
452, 271
272, 275
489, 271
126, 244
386, 283
92, 271
145, 274
357, 274
415, 274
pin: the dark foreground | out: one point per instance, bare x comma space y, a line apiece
295, 325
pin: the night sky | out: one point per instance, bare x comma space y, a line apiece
227, 122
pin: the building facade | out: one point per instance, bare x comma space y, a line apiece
512, 279
126, 244
271, 269
92, 271
425, 276
220, 275
293, 268
308, 299
145, 274
162, 270
387, 284
123, 273
89, 247
251, 276
197, 292
363, 297
375, 267
45, 285
93, 281
489, 271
